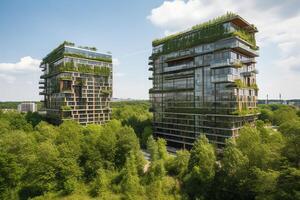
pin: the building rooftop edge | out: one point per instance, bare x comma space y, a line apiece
72, 45
228, 18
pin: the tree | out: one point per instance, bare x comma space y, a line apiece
264, 184
10, 174
162, 149
266, 115
130, 183
284, 114
45, 131
99, 149
100, 186
34, 118
201, 169
261, 146
234, 163
126, 142
179, 164
152, 148
145, 135
288, 184
291, 151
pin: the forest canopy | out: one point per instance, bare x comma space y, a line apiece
42, 161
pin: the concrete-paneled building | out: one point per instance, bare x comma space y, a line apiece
77, 84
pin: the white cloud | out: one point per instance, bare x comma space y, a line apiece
176, 15
116, 62
278, 36
8, 78
277, 22
25, 64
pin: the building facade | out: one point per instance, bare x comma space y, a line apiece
27, 107
204, 82
77, 84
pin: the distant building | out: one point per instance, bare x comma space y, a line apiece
204, 82
77, 84
27, 107
292, 102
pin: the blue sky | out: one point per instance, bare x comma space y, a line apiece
30, 29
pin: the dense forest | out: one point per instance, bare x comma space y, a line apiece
41, 161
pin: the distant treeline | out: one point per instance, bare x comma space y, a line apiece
14, 104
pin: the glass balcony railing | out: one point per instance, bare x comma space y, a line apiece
223, 62
235, 43
178, 67
224, 78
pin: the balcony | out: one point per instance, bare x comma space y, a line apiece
223, 63
250, 73
150, 78
237, 45
180, 56
248, 61
229, 78
41, 82
179, 67
150, 69
41, 87
42, 92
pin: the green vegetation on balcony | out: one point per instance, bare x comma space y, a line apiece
248, 37
104, 71
239, 84
75, 55
66, 108
210, 31
238, 64
106, 91
80, 82
82, 68
85, 68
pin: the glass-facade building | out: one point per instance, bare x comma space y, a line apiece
204, 82
77, 84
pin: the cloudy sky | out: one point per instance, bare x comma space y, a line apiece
30, 29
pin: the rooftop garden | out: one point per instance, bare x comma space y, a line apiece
58, 53
203, 33
75, 55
